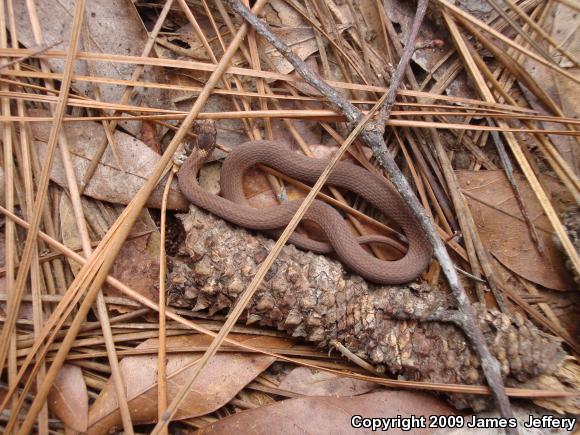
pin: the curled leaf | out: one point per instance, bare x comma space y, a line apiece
68, 398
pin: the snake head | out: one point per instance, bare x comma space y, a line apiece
206, 136
199, 148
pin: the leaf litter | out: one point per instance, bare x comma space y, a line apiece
355, 43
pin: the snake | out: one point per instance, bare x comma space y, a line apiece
234, 207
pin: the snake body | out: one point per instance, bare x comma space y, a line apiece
233, 207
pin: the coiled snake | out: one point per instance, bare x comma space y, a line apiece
233, 206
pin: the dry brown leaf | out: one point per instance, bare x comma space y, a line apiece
224, 376
137, 264
310, 382
481, 10
329, 414
109, 183
149, 136
68, 398
281, 13
503, 231
300, 39
102, 19
563, 91
209, 177
403, 12
184, 43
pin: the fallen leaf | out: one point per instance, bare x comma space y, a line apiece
502, 229
209, 177
481, 10
109, 183
280, 13
149, 136
224, 376
329, 414
300, 39
403, 13
563, 23
102, 19
68, 398
310, 382
136, 265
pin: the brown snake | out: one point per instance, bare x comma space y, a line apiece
233, 206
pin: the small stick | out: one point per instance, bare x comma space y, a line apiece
520, 31
541, 31
457, 12
351, 356
373, 137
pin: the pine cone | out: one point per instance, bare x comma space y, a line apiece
312, 297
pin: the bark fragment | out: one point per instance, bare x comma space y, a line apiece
312, 297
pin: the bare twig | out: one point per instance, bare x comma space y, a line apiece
373, 137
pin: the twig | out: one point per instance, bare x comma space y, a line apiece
513, 144
373, 137
86, 245
458, 12
352, 357
520, 31
10, 230
537, 28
